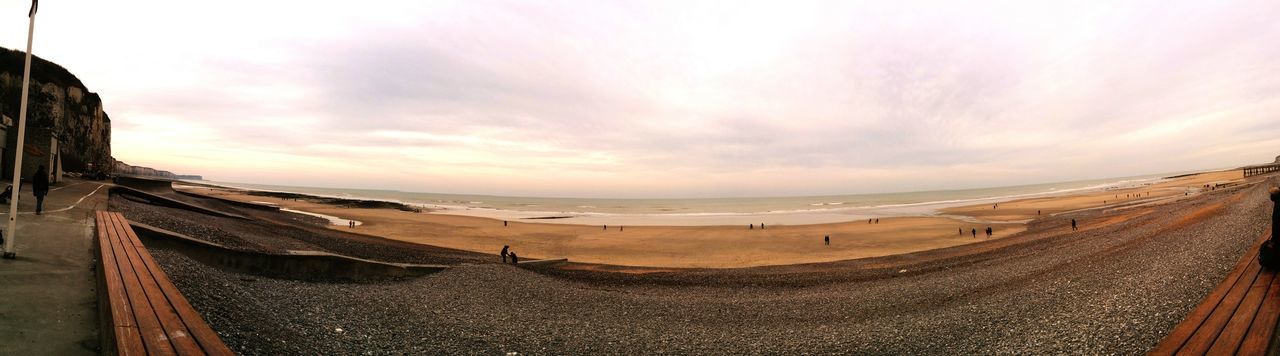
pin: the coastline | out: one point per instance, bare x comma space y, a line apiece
600, 239
1119, 284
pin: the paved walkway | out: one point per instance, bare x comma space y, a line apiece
48, 301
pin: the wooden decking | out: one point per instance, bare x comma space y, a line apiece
143, 312
1238, 317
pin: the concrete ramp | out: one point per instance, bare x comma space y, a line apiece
235, 203
543, 262
298, 265
162, 200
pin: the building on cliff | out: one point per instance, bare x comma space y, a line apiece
67, 130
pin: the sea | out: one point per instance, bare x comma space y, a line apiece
710, 211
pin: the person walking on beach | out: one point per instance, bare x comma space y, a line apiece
974, 231
504, 223
1073, 224
761, 226
40, 187
961, 231
514, 259
827, 240
877, 221
504, 253
751, 227
988, 232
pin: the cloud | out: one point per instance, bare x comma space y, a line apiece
678, 98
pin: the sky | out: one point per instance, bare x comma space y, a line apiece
672, 99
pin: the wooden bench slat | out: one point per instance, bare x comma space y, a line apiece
115, 285
153, 336
196, 326
1183, 331
1258, 339
127, 339
1208, 331
129, 333
174, 330
1233, 333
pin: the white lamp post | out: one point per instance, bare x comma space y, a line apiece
22, 134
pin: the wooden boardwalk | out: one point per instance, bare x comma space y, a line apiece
1238, 317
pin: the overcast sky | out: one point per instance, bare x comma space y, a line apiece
681, 98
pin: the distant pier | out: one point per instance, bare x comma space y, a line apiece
1261, 169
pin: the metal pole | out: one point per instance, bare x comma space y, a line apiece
17, 152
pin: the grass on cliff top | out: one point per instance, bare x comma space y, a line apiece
42, 71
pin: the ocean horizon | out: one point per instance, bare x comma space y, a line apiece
712, 211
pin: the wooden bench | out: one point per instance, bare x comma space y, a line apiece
1238, 317
143, 313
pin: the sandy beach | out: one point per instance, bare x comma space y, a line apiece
1117, 285
738, 246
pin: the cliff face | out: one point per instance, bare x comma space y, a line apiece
125, 168
67, 129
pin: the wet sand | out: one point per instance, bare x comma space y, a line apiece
1161, 192
737, 246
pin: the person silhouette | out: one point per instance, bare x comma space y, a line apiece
1275, 214
974, 231
827, 240
40, 187
504, 253
1073, 224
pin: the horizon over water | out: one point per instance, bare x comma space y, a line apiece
711, 211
